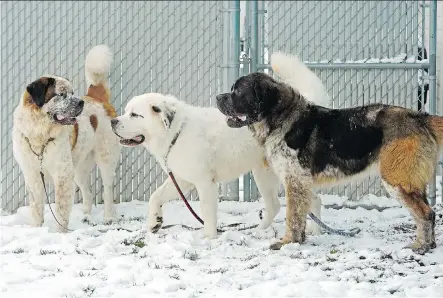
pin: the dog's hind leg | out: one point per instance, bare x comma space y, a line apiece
208, 195
165, 193
406, 166
82, 179
107, 162
417, 204
267, 184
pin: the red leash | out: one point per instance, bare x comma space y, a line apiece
184, 199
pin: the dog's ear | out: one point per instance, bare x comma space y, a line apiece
165, 114
41, 90
265, 90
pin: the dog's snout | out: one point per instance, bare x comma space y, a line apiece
219, 97
81, 103
114, 122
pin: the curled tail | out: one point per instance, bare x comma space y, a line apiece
291, 69
97, 66
436, 125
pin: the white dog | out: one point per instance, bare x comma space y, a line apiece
201, 150
64, 136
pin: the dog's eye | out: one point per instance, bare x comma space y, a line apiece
62, 95
135, 115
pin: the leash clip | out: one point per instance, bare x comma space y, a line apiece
40, 158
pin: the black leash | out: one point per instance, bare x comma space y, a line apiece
348, 233
182, 196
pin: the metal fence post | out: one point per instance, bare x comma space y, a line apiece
432, 81
247, 178
230, 69
253, 24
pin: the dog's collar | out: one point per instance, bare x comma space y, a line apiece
174, 140
39, 155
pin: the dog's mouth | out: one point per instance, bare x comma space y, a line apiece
137, 140
65, 120
237, 121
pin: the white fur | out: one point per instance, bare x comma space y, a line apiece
207, 151
60, 164
98, 64
298, 76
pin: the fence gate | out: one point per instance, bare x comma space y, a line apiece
363, 51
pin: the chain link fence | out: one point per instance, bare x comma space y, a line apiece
363, 51
159, 46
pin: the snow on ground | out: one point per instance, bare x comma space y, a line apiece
122, 260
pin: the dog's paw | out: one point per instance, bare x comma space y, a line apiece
109, 219
63, 228
155, 226
210, 231
109, 215
313, 229
299, 238
37, 223
87, 208
420, 248
86, 218
210, 235
265, 219
277, 245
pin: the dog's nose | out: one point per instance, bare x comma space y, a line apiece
81, 103
114, 122
219, 97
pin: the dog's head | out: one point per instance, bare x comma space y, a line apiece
54, 97
145, 116
251, 99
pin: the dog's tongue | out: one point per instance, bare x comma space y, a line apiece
137, 138
60, 117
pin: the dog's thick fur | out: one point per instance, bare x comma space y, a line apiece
76, 133
310, 146
206, 152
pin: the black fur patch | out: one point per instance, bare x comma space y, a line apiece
344, 139
39, 90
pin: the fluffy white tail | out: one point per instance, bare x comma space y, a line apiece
295, 73
97, 65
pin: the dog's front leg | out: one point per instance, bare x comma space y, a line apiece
36, 193
165, 193
64, 192
207, 192
298, 200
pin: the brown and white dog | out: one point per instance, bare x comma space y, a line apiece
310, 146
64, 136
